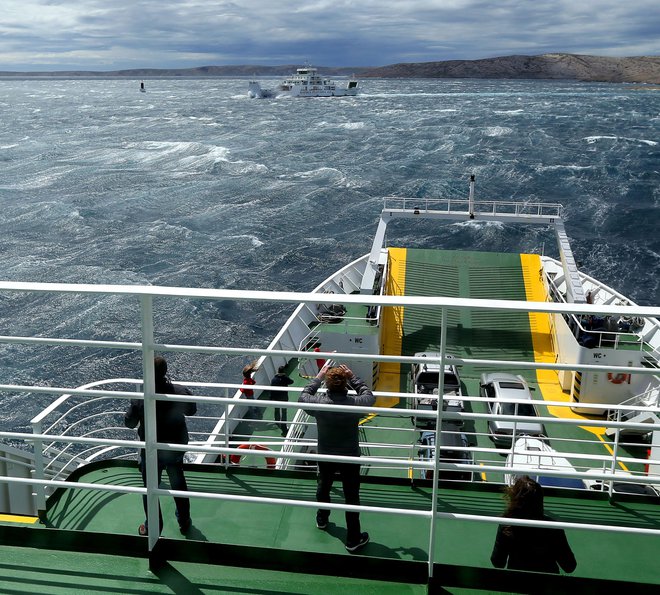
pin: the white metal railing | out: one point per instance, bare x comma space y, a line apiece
147, 346
417, 466
462, 205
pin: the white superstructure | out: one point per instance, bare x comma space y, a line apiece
306, 82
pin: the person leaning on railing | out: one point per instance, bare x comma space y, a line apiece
170, 428
338, 434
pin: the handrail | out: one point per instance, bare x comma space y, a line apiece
147, 345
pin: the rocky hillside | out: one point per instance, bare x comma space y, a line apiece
642, 69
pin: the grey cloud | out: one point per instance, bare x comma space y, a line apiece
89, 34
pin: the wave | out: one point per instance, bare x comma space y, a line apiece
198, 189
594, 139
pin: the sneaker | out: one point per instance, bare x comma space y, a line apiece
185, 527
364, 540
321, 523
142, 529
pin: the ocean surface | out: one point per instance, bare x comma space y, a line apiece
193, 184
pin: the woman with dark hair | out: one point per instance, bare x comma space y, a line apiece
530, 548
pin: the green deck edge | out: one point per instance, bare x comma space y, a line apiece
265, 535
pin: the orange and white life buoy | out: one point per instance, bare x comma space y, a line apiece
618, 378
235, 459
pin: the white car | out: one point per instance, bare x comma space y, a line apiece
537, 456
425, 378
500, 388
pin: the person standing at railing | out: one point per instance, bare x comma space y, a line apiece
320, 362
249, 381
280, 394
171, 428
541, 549
338, 434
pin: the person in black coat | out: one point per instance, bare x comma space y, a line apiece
170, 428
338, 433
280, 380
541, 549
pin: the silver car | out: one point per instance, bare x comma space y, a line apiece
500, 387
425, 379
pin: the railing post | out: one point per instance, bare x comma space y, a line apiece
438, 429
615, 452
225, 428
38, 472
515, 429
150, 439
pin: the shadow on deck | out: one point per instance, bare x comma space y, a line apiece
273, 538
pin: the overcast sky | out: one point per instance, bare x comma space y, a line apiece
116, 34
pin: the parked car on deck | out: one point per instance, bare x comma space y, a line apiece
451, 437
536, 456
500, 388
620, 487
425, 380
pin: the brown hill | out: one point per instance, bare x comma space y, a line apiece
642, 69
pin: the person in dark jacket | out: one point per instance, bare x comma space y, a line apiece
171, 428
541, 549
280, 380
338, 434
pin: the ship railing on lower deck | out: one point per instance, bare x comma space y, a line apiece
302, 429
234, 407
400, 439
374, 459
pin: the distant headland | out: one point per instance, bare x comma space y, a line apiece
638, 69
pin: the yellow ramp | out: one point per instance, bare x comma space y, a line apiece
544, 351
389, 378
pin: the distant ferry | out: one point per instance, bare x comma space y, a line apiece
306, 82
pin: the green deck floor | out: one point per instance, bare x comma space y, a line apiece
32, 570
272, 528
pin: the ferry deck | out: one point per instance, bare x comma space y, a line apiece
253, 527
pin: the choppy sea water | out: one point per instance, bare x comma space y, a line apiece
193, 184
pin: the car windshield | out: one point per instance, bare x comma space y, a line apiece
432, 378
513, 385
523, 409
633, 488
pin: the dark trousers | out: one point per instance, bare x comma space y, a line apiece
174, 468
349, 474
279, 414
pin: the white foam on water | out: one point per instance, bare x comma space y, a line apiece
198, 189
497, 131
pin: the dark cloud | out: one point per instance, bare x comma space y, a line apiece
94, 34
